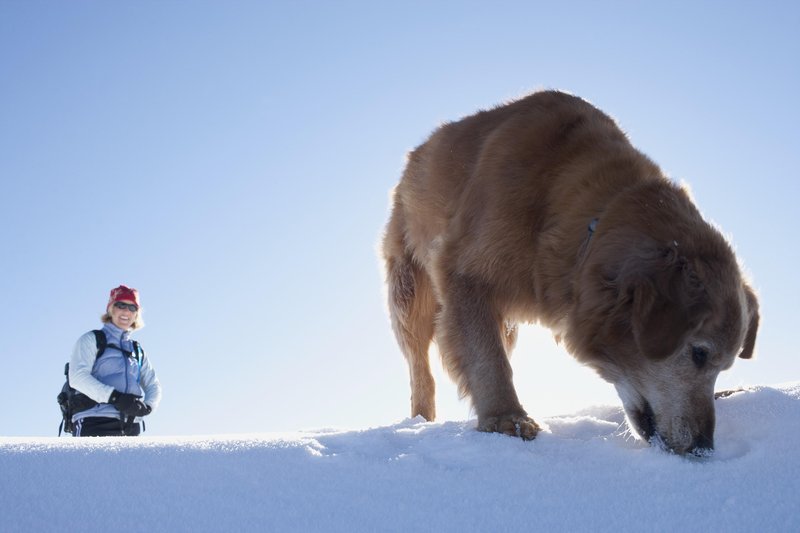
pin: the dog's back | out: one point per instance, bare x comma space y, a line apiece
501, 191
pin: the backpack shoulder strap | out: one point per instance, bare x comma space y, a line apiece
138, 352
102, 342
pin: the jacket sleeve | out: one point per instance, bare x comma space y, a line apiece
150, 384
80, 370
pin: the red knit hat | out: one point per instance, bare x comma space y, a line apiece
124, 293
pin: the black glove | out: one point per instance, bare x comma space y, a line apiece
139, 409
123, 401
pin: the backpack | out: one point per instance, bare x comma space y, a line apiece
72, 401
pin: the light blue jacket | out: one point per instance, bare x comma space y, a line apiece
97, 378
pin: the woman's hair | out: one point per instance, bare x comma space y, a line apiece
137, 324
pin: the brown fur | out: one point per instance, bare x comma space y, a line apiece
489, 228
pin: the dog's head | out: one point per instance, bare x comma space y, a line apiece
674, 317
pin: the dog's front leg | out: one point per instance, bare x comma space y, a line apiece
470, 337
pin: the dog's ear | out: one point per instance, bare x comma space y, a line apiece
669, 301
752, 326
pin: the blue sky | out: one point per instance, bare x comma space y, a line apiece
233, 161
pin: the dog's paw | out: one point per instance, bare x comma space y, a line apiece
514, 425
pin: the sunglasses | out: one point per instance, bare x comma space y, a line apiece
123, 305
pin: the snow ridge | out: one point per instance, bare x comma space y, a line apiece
583, 472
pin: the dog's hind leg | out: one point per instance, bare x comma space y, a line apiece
412, 307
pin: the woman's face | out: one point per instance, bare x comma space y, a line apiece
123, 314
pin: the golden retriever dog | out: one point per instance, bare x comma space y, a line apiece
542, 211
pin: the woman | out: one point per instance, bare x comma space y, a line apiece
120, 385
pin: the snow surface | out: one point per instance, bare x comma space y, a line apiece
583, 473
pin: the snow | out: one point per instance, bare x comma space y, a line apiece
584, 472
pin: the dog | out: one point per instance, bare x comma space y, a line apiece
541, 211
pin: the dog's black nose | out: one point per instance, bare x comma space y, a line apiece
703, 446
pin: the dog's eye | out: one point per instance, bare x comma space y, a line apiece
699, 356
